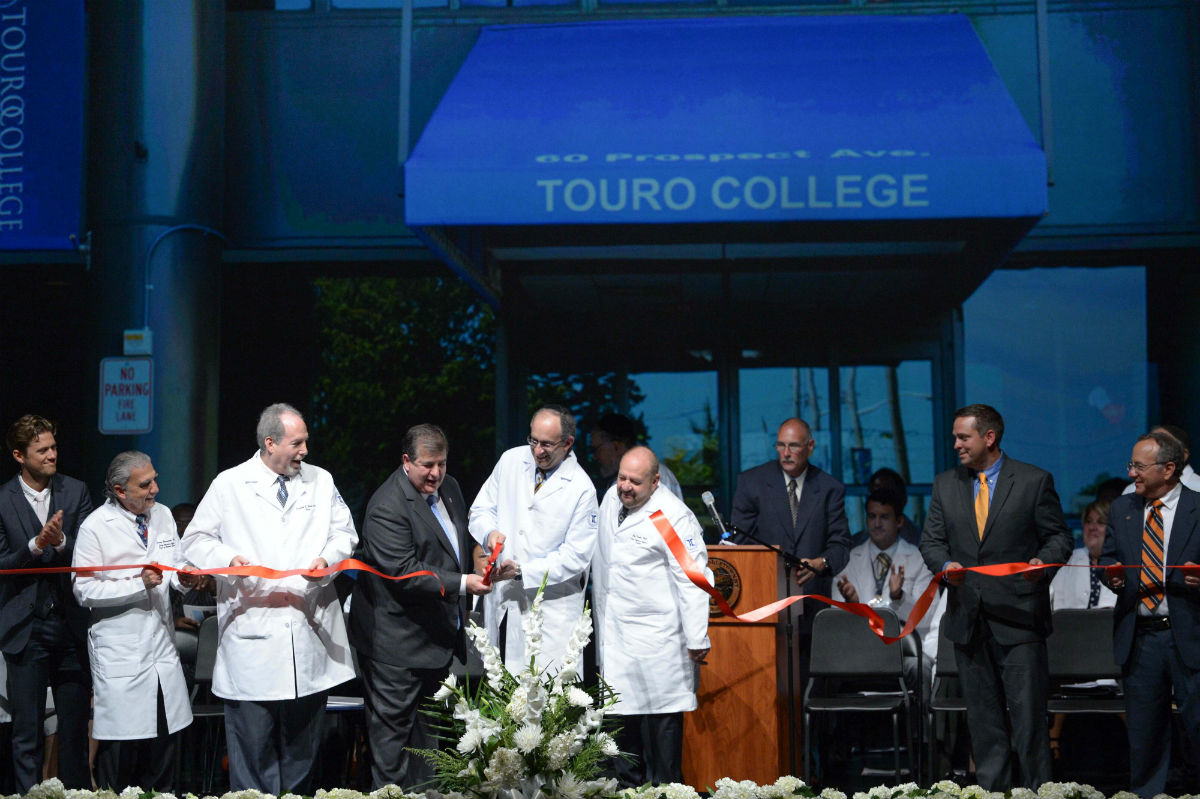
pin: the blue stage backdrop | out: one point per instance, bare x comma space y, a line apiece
41, 123
726, 120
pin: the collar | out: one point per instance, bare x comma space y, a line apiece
124, 513
993, 471
873, 551
32, 495
267, 474
787, 478
1171, 498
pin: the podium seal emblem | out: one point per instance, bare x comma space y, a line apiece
727, 581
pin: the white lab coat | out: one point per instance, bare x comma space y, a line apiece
1070, 587
648, 614
131, 641
549, 534
270, 630
860, 568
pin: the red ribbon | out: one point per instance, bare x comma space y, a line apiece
491, 564
233, 571
920, 608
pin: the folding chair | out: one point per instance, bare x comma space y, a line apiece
1080, 650
844, 648
942, 697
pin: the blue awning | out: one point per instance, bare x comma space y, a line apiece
765, 119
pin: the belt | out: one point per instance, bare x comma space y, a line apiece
1152, 623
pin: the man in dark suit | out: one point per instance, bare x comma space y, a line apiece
993, 509
43, 630
406, 631
1156, 635
791, 503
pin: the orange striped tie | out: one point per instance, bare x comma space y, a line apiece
1151, 584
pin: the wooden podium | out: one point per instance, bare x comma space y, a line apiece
741, 727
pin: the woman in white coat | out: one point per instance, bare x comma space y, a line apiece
141, 698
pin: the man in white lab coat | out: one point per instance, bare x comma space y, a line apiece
541, 506
282, 643
141, 698
651, 619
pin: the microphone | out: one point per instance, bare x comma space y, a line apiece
707, 498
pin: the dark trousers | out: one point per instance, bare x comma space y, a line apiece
54, 658
1154, 668
273, 744
148, 763
393, 696
1006, 689
655, 743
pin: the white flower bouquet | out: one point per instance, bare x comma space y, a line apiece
527, 736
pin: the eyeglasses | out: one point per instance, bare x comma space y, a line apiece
536, 444
791, 446
1141, 467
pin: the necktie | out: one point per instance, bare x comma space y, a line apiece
451, 533
793, 500
281, 495
981, 504
883, 568
621, 515
539, 478
1094, 592
143, 526
1151, 583
41, 505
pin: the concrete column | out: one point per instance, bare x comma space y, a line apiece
156, 128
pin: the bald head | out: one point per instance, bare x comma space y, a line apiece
637, 477
794, 443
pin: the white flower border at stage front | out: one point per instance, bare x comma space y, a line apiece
783, 788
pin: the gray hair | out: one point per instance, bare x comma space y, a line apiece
1169, 449
120, 469
566, 419
270, 423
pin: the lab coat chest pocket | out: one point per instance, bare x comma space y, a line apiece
114, 654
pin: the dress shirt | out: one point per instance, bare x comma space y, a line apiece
787, 478
34, 498
991, 473
1170, 501
443, 517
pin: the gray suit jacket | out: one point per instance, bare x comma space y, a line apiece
1025, 520
410, 622
18, 525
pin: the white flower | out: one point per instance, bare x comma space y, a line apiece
528, 738
608, 747
131, 792
675, 790
789, 784
389, 791
558, 750
881, 792
471, 740
48, 789
337, 793
578, 697
446, 691
506, 766
947, 787
832, 793
568, 787
731, 789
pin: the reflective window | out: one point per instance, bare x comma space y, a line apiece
767, 397
1061, 353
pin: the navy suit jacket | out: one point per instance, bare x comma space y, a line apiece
1025, 520
18, 525
410, 622
760, 507
1123, 544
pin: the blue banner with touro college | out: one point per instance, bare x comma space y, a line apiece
726, 120
41, 123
